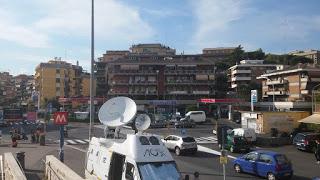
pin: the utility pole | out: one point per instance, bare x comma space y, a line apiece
92, 71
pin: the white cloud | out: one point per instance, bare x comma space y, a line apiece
12, 31
215, 16
113, 20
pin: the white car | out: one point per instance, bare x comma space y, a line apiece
180, 144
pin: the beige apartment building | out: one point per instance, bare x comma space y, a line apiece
293, 84
312, 54
58, 78
246, 72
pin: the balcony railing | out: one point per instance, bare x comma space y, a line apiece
277, 93
241, 79
278, 81
241, 72
200, 92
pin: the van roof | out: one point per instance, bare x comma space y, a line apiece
140, 148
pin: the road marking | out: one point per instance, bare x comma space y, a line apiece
70, 142
80, 141
211, 151
82, 150
87, 140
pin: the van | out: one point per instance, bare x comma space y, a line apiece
196, 116
247, 133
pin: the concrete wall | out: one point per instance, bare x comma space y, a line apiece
56, 170
11, 168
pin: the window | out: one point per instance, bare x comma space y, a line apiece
129, 171
251, 156
266, 158
57, 80
58, 71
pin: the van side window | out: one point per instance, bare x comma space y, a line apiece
129, 171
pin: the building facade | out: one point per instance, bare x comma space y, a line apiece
245, 73
7, 89
58, 78
149, 74
293, 84
24, 87
312, 54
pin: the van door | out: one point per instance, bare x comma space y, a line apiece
116, 166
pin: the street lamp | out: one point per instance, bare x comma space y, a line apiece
312, 98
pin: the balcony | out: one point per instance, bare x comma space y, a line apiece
304, 91
178, 92
200, 92
277, 93
234, 85
241, 79
279, 81
241, 72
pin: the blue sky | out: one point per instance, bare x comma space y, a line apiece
35, 31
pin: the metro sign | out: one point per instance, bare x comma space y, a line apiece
60, 118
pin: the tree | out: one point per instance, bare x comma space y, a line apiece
237, 55
258, 54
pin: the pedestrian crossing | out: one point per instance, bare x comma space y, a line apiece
206, 140
199, 140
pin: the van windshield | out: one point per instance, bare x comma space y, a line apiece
159, 171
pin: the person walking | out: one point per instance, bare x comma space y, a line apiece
317, 151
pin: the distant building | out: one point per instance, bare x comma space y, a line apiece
246, 72
7, 89
153, 73
312, 54
58, 78
24, 87
292, 84
219, 51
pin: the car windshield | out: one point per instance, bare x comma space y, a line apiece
188, 139
159, 171
281, 159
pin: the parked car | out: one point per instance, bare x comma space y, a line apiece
306, 141
248, 133
237, 144
158, 124
185, 124
269, 164
196, 116
180, 144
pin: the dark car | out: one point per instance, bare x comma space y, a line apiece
185, 124
306, 141
269, 164
237, 144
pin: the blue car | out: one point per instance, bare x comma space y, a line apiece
269, 164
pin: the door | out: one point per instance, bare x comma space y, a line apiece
168, 142
116, 166
264, 164
249, 163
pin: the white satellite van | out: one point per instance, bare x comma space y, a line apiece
138, 156
196, 116
247, 133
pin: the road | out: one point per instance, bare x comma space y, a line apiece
206, 163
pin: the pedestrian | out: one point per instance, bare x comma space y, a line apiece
37, 135
14, 139
317, 151
33, 136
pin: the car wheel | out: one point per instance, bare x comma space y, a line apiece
237, 168
271, 176
231, 149
177, 151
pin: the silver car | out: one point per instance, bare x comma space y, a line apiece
180, 144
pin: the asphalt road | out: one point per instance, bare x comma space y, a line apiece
207, 164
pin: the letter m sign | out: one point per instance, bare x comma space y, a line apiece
60, 118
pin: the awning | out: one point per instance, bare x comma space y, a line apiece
313, 119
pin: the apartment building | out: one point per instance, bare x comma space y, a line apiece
219, 51
146, 75
292, 84
7, 88
24, 87
246, 72
312, 54
57, 78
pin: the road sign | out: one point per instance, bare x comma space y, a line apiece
254, 95
60, 118
223, 159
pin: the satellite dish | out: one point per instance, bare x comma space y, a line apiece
142, 122
117, 111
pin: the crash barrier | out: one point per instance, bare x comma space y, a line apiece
273, 141
12, 169
56, 170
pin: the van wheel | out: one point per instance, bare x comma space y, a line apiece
177, 151
271, 176
237, 168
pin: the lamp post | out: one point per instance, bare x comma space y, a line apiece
312, 97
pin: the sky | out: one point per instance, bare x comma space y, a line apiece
36, 31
